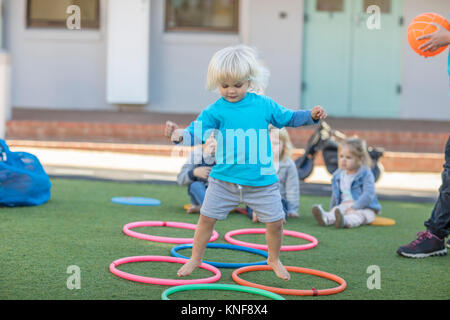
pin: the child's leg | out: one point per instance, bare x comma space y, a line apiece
359, 217
203, 232
274, 238
324, 218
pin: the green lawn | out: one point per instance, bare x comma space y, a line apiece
81, 226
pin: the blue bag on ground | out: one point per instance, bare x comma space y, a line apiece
23, 180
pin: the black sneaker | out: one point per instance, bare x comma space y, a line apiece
426, 245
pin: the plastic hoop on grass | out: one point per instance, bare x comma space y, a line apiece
228, 287
161, 281
312, 244
296, 292
175, 253
148, 237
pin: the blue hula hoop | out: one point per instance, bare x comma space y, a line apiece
175, 253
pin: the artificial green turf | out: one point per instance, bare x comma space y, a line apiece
80, 226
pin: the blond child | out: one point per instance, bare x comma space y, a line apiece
353, 199
244, 170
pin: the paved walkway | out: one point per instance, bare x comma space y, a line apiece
164, 169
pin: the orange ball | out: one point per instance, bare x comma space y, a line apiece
422, 25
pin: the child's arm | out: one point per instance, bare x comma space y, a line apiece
307, 117
368, 192
292, 187
173, 132
280, 116
196, 133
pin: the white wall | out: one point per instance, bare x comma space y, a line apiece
280, 42
55, 69
178, 65
128, 51
425, 81
66, 69
179, 61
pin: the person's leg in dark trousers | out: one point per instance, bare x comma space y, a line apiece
431, 242
439, 222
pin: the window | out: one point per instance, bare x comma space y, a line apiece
385, 5
52, 13
330, 5
202, 15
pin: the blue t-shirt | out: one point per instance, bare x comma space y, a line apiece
243, 152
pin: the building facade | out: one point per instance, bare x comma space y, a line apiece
153, 54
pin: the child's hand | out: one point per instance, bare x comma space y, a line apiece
170, 128
318, 113
202, 172
173, 132
438, 39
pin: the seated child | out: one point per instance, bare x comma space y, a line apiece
286, 171
195, 172
353, 199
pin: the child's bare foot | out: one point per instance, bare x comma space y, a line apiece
279, 270
188, 267
193, 209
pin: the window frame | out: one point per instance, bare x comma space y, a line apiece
340, 9
233, 30
60, 24
387, 9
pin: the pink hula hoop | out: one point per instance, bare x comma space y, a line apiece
182, 225
161, 281
314, 242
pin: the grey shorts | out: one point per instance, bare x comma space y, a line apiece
222, 197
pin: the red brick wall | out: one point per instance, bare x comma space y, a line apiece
422, 142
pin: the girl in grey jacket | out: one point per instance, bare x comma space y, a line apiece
353, 201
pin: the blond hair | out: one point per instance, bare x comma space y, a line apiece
358, 148
283, 135
238, 63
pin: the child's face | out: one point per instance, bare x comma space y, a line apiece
277, 144
347, 160
233, 91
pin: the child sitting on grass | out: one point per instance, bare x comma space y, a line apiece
353, 199
195, 172
286, 172
244, 172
